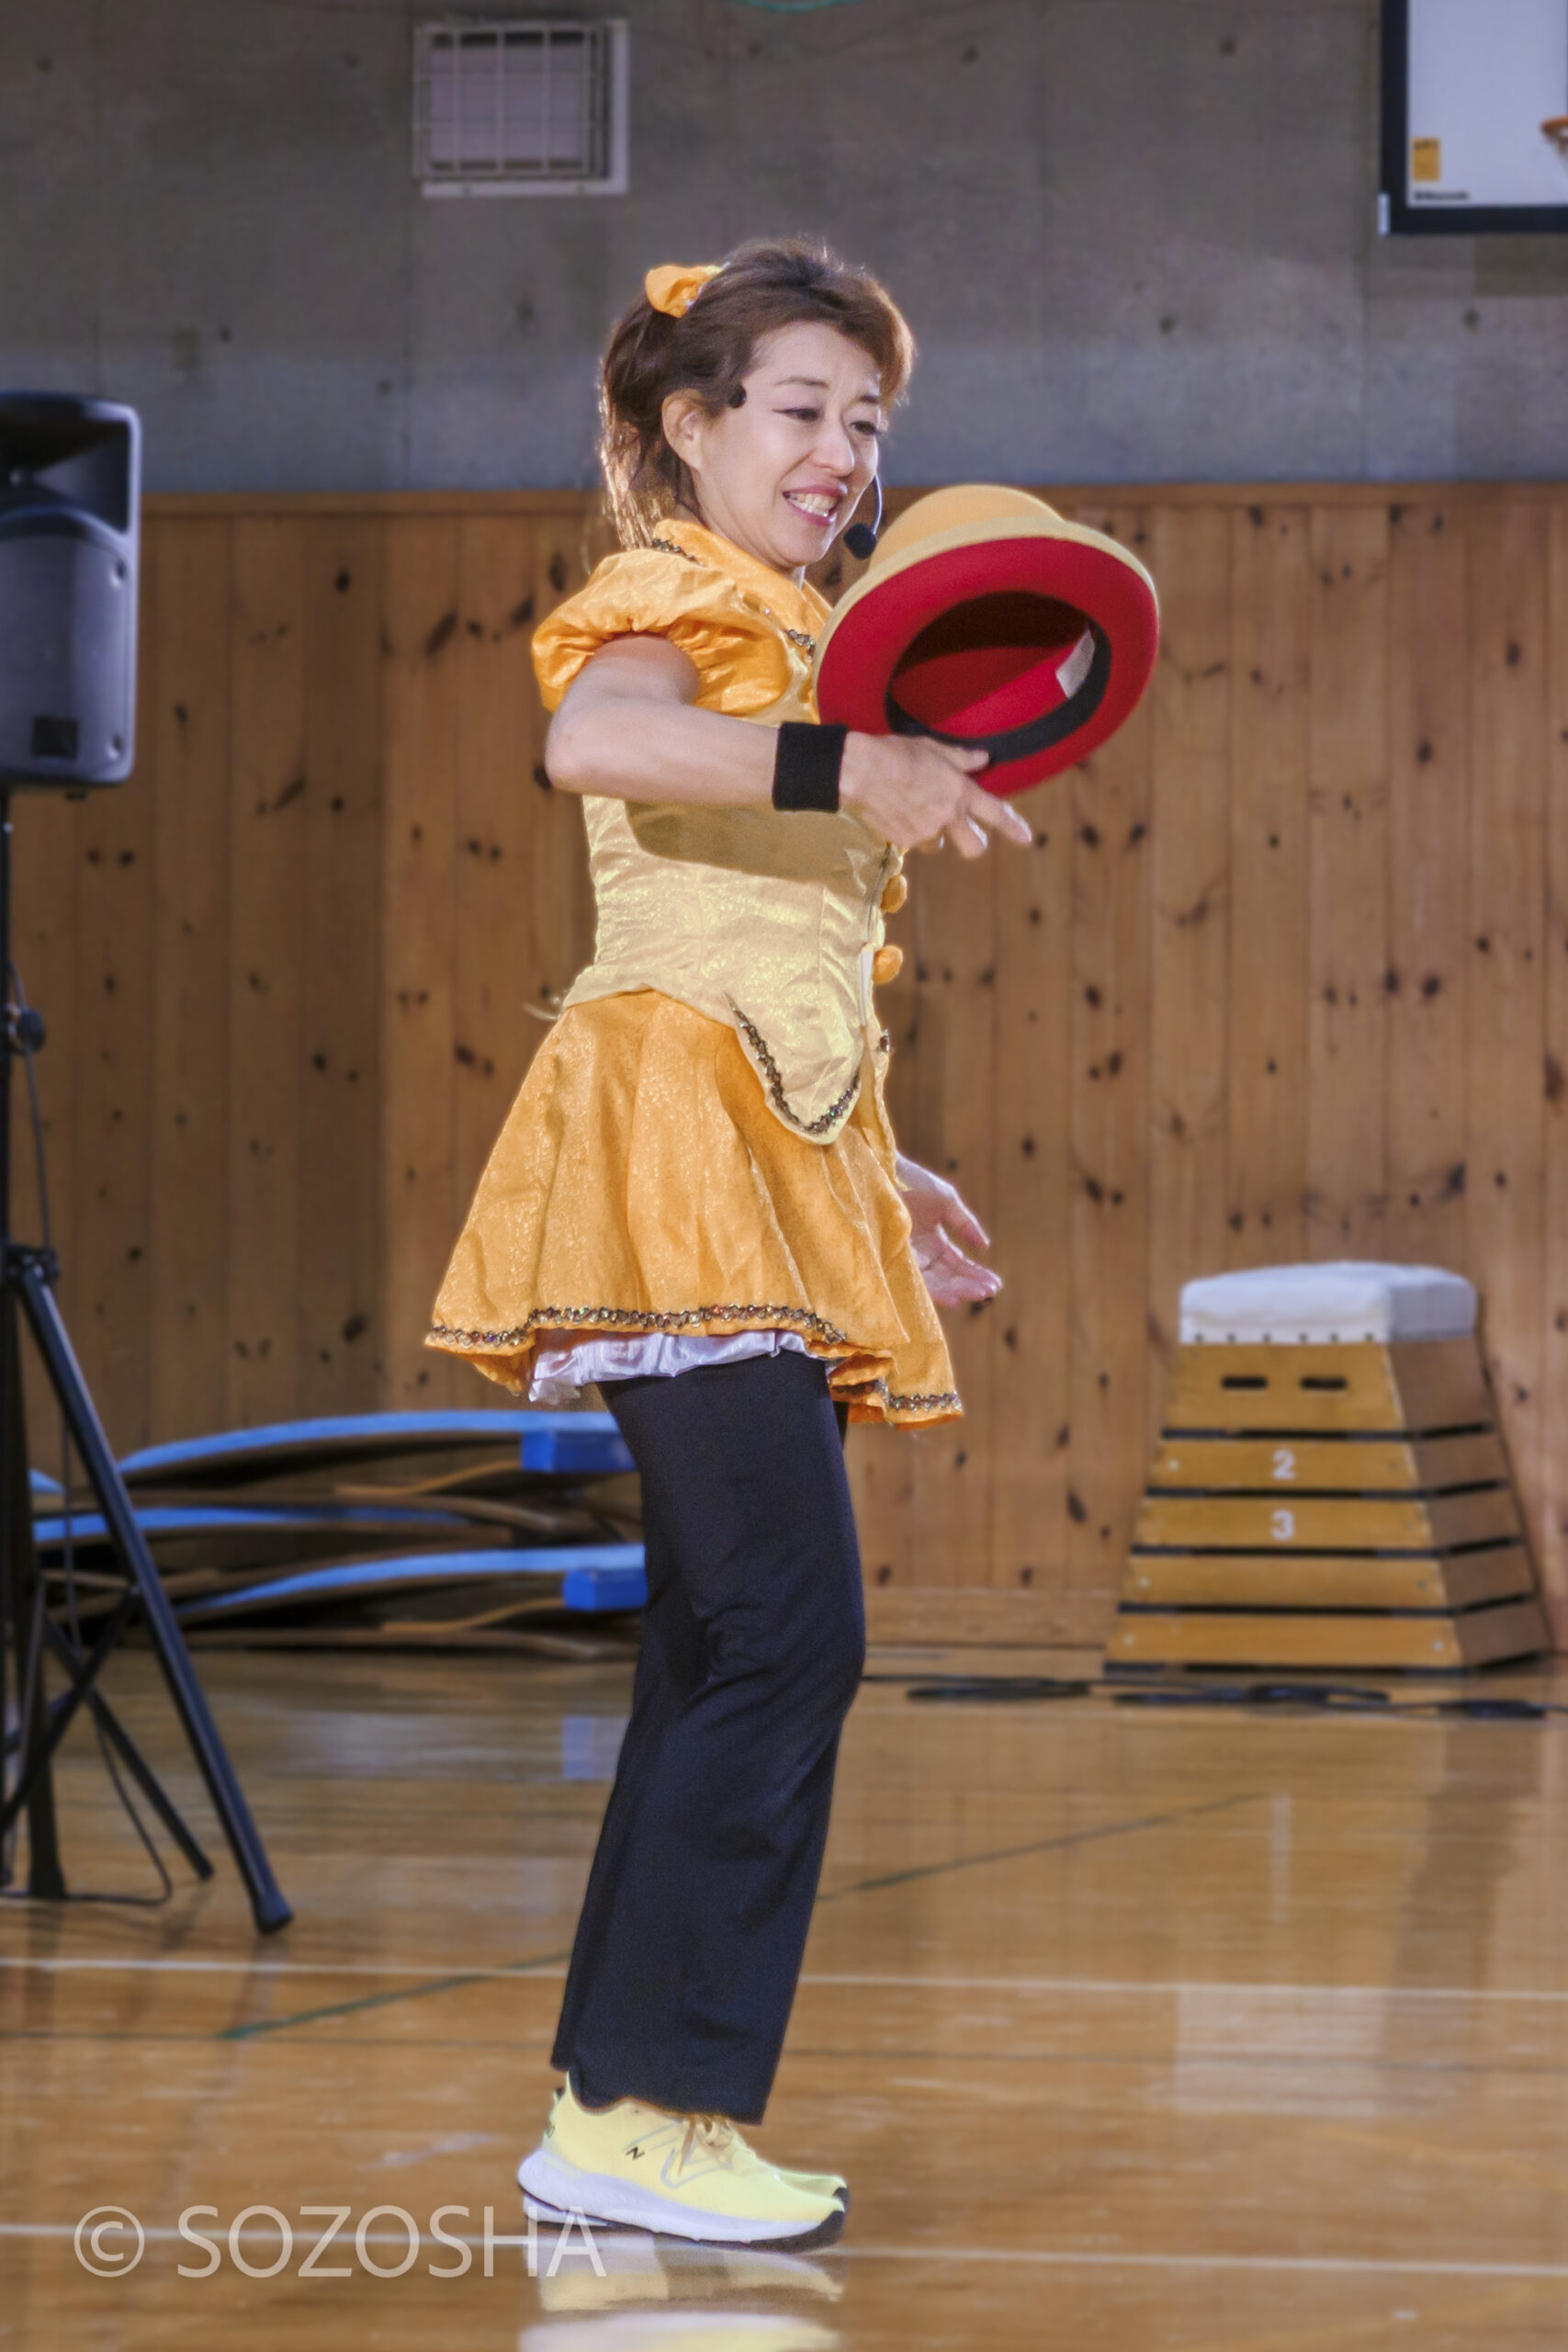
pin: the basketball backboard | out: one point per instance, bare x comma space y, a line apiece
1475, 102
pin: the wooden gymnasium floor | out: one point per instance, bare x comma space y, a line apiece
1132, 2029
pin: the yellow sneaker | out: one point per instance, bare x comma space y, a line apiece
680, 2176
815, 2184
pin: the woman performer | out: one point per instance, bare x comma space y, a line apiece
696, 1201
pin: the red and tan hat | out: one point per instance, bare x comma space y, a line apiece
984, 619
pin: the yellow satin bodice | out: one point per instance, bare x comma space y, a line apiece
771, 922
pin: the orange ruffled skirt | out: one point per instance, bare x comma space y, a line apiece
640, 1183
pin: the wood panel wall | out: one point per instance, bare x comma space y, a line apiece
1284, 974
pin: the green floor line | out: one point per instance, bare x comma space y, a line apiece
385, 2000
1041, 1846
864, 1887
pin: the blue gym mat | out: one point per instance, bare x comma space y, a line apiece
179, 1518
581, 1444
594, 1576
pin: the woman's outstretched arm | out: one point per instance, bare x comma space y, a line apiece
628, 728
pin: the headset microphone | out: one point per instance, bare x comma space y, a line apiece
861, 538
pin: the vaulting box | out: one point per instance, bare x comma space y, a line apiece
1330, 1489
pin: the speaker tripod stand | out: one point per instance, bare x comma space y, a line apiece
28, 1632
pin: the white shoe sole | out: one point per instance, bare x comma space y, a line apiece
555, 2192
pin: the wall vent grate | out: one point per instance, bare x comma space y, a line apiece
532, 107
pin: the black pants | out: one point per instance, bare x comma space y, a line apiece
693, 1925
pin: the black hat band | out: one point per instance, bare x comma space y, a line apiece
1038, 734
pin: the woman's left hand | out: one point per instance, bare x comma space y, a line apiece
940, 1222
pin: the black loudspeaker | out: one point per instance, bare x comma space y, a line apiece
70, 518
70, 495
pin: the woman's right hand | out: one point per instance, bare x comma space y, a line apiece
919, 793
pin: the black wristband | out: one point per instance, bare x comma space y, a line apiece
806, 764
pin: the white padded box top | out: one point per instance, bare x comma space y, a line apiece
1334, 1304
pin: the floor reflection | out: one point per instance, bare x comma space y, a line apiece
627, 2290
671, 2331
1479, 1803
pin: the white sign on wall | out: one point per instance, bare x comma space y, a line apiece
1476, 115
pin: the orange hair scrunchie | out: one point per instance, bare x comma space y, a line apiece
674, 288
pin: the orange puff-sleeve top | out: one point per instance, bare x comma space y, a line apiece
701, 1147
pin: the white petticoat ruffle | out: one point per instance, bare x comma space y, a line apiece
561, 1373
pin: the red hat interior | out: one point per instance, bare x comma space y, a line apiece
1032, 646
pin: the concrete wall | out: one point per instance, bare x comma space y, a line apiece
1136, 237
